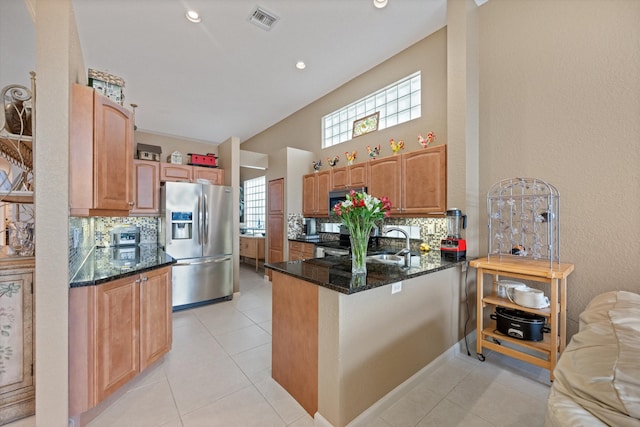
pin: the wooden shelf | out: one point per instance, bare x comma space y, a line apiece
504, 302
25, 197
553, 342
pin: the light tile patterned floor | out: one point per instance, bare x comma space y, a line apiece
219, 374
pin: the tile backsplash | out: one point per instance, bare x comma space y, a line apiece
87, 233
428, 230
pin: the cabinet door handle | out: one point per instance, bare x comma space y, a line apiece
145, 278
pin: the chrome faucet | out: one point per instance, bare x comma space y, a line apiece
406, 251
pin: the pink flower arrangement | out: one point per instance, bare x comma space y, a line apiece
358, 213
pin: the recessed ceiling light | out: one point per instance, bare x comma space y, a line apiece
379, 3
300, 65
193, 16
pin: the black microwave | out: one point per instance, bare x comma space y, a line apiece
338, 196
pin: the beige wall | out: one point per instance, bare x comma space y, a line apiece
169, 144
560, 101
363, 355
302, 129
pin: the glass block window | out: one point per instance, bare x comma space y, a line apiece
255, 202
397, 103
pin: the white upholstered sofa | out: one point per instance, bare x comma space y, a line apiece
597, 379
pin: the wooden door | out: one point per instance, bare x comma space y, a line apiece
116, 330
17, 387
146, 187
309, 196
385, 180
155, 315
275, 220
322, 193
216, 176
113, 155
358, 175
424, 181
339, 178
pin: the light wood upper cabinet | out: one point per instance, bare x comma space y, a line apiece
116, 330
315, 194
216, 176
100, 155
385, 179
424, 181
415, 182
171, 172
349, 176
188, 173
146, 187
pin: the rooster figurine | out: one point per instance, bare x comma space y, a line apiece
373, 152
396, 146
350, 157
334, 161
316, 165
426, 141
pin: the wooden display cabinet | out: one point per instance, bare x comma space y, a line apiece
17, 382
543, 353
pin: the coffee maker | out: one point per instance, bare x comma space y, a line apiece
454, 248
309, 229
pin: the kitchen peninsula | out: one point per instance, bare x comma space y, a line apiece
341, 343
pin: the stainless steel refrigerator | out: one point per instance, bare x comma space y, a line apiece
197, 228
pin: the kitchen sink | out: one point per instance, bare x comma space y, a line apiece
387, 259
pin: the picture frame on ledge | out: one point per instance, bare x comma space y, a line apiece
366, 124
107, 84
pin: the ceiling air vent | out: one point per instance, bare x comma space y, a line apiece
262, 18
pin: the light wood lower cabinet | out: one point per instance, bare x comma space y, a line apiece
116, 330
17, 381
299, 251
252, 247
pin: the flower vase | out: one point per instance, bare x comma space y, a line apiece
359, 242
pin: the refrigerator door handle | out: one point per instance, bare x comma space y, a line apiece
205, 225
206, 261
168, 232
199, 220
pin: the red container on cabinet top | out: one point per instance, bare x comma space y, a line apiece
208, 160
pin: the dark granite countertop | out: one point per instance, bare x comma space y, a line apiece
110, 263
335, 272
